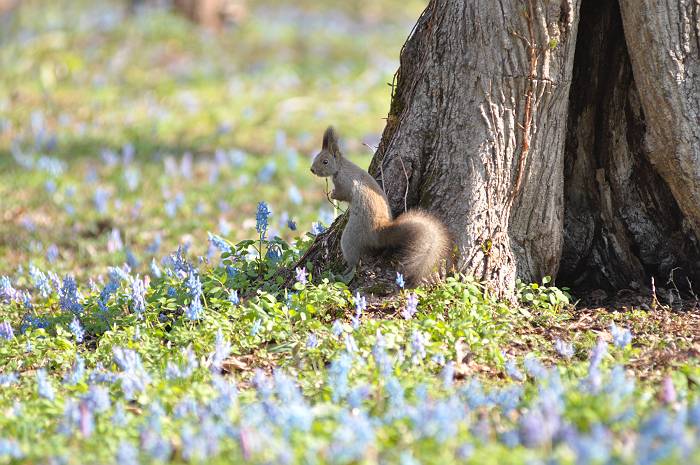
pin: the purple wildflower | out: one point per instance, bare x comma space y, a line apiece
668, 391
114, 242
7, 292
127, 454
301, 276
312, 341
411, 306
418, 341
6, 331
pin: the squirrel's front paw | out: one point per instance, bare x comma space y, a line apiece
333, 195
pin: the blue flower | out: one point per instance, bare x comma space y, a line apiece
411, 306
267, 171
182, 370
127, 454
9, 448
133, 377
155, 244
668, 391
352, 439
337, 328
40, 281
534, 367
338, 376
301, 276
97, 399
77, 330
219, 242
360, 306
44, 387
77, 374
69, 296
155, 269
114, 241
261, 219
194, 285
100, 199
317, 228
621, 336
257, 325
312, 341
131, 259
6, 331
399, 280
381, 358
8, 379
350, 344
51, 253
564, 349
447, 374
194, 310
594, 381
7, 292
222, 349
418, 341
233, 297
138, 296
512, 370
294, 195
590, 448
274, 252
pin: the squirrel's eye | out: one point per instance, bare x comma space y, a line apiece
325, 162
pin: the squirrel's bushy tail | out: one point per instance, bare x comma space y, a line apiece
421, 242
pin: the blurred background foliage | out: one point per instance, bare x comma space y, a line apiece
113, 111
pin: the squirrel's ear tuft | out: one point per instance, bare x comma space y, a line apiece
330, 141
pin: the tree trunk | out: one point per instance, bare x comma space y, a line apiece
600, 184
208, 13
623, 223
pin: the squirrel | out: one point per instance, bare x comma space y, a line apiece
421, 241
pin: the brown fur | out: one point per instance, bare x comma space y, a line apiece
419, 241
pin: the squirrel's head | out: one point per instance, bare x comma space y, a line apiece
327, 162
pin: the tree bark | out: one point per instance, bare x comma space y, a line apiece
625, 221
601, 184
481, 99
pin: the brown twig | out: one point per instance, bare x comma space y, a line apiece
527, 116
